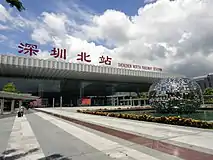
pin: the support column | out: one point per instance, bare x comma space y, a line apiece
139, 102
53, 102
144, 102
61, 101
118, 101
20, 104
70, 103
94, 102
2, 106
102, 102
12, 106
112, 94
112, 101
81, 93
131, 101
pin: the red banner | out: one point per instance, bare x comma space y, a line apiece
86, 101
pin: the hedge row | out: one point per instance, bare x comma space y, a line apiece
121, 108
173, 120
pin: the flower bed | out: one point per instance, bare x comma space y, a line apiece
122, 109
173, 120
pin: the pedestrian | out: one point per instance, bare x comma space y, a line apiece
22, 111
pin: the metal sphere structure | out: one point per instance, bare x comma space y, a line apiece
175, 95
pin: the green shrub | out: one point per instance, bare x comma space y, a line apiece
173, 120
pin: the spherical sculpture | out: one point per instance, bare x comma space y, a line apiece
175, 95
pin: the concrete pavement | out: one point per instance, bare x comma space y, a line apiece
6, 125
169, 139
41, 136
33, 137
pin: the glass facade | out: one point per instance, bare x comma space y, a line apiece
71, 90
32, 85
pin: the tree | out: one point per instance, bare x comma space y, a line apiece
143, 95
208, 91
16, 3
208, 95
10, 87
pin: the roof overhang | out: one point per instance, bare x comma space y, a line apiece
18, 96
16, 66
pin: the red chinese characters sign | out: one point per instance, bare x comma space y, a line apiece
27, 48
135, 66
32, 49
105, 60
84, 57
61, 53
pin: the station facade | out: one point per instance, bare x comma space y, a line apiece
73, 81
205, 81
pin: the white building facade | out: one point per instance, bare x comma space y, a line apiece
39, 68
54, 79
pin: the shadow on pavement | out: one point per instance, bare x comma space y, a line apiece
55, 157
22, 155
16, 156
8, 151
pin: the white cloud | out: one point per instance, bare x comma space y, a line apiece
14, 21
41, 35
4, 14
52, 25
105, 26
55, 22
3, 27
2, 38
176, 35
162, 33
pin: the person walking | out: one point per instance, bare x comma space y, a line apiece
22, 111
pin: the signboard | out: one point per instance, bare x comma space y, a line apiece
85, 101
61, 53
139, 67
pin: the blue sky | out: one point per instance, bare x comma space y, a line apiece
35, 9
164, 33
129, 7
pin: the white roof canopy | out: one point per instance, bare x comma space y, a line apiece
20, 96
51, 69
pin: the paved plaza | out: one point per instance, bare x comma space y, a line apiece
40, 136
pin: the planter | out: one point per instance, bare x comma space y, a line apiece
173, 120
